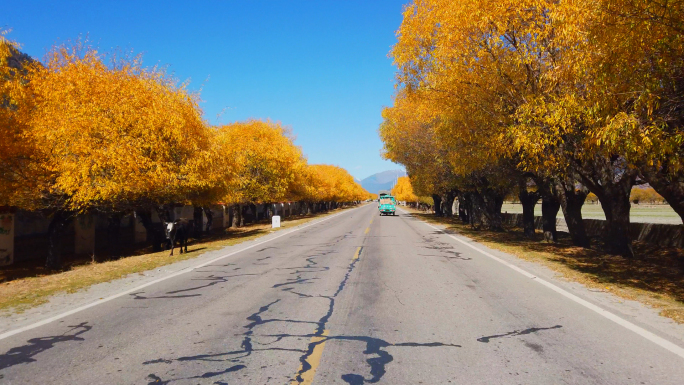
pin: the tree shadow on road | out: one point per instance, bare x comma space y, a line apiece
24, 354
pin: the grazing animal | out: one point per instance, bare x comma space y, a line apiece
179, 230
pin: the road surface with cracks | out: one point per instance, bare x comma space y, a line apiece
356, 299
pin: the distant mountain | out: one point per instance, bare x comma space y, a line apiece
382, 181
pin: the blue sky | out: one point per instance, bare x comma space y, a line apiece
320, 67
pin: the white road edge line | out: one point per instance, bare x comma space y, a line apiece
180, 272
676, 349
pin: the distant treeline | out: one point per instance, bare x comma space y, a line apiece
637, 196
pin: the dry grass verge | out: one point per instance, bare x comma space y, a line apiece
26, 285
655, 278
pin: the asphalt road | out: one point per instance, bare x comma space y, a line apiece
355, 299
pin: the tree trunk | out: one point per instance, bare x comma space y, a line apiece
197, 221
485, 210
612, 180
448, 204
234, 216
475, 207
238, 220
528, 200
60, 220
492, 209
572, 200
113, 236
438, 204
229, 212
550, 207
155, 234
463, 207
616, 207
210, 219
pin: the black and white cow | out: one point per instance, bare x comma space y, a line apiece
179, 230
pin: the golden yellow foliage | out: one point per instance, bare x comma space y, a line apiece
410, 137
636, 67
645, 195
87, 130
111, 136
329, 183
476, 63
15, 150
403, 191
264, 161
566, 92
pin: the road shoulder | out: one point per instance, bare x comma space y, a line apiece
63, 303
633, 311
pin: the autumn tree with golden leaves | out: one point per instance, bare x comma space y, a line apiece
15, 150
111, 137
260, 160
566, 96
88, 132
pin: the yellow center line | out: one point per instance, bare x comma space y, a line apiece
367, 230
314, 360
356, 255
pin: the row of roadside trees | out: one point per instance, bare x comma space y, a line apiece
403, 192
551, 99
91, 132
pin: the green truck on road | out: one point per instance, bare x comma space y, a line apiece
387, 205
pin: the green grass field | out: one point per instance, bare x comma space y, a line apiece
640, 213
